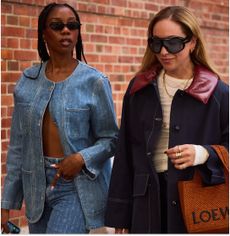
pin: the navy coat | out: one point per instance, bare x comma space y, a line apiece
199, 115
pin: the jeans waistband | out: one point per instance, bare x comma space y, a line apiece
52, 160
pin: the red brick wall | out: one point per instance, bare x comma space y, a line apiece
114, 36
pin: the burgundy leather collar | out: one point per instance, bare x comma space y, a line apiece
202, 87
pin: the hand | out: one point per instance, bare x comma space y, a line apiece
5, 214
182, 156
68, 168
121, 231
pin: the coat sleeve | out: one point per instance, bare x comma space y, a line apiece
119, 205
212, 172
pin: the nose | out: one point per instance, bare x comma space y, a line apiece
163, 50
65, 30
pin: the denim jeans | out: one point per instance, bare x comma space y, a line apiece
62, 211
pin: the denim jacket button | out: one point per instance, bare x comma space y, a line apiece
51, 88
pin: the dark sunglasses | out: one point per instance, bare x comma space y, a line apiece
56, 26
172, 44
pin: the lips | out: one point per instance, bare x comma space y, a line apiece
166, 60
66, 42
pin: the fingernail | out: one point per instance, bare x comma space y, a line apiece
52, 187
53, 165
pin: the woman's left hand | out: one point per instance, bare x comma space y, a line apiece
68, 168
182, 156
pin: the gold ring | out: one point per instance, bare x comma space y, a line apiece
178, 154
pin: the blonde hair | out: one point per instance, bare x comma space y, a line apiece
189, 26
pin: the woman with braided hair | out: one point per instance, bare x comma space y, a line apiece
63, 133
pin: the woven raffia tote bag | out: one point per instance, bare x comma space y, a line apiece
205, 209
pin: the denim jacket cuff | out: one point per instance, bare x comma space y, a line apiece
88, 170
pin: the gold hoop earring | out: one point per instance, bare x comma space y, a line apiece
43, 39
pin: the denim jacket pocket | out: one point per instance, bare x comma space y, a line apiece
140, 184
77, 122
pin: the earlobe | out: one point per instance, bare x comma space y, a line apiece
193, 44
194, 40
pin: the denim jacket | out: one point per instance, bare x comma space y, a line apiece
87, 124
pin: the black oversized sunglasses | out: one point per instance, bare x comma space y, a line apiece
56, 26
173, 44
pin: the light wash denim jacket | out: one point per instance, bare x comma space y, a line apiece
87, 124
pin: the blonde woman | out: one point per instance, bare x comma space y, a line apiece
174, 109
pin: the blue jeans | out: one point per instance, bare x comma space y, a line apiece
62, 211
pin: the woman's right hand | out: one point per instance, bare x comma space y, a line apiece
121, 231
5, 214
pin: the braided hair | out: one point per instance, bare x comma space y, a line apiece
41, 47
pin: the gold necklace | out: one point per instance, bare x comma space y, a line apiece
164, 83
165, 87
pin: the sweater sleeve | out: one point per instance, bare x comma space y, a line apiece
201, 155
